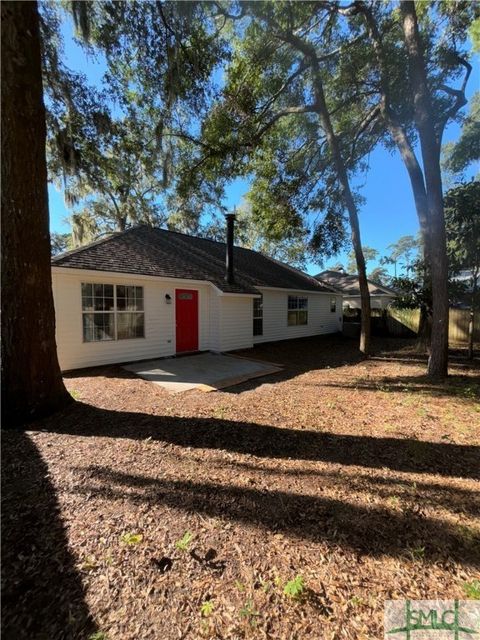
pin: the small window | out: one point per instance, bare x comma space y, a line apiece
333, 305
297, 310
258, 316
112, 312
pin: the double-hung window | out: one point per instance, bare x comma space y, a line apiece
258, 316
112, 312
333, 305
297, 310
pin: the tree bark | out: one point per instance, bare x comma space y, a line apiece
32, 385
430, 148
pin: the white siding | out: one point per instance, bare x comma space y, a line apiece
236, 323
159, 340
225, 321
320, 318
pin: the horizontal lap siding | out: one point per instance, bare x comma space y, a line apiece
320, 318
236, 324
159, 338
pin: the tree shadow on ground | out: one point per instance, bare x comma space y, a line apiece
371, 530
399, 454
42, 595
461, 387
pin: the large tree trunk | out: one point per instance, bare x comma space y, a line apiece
32, 385
430, 146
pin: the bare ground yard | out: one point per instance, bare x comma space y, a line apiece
361, 477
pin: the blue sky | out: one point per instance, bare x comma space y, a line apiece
388, 212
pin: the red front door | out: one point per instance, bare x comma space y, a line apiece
186, 317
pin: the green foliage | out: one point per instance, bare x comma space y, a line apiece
472, 589
368, 253
113, 147
98, 635
474, 33
131, 539
402, 254
295, 588
462, 219
457, 156
184, 541
207, 608
379, 275
60, 242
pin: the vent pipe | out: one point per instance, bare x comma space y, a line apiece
229, 276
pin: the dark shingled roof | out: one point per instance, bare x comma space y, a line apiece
348, 284
151, 251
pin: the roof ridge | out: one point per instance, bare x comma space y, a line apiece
113, 234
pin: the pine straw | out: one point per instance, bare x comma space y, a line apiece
359, 476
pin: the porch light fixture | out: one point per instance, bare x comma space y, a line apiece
168, 298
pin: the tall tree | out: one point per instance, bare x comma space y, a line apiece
405, 249
419, 99
290, 116
113, 146
32, 385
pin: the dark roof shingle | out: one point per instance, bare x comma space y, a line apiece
348, 284
151, 251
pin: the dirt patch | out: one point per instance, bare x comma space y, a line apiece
286, 507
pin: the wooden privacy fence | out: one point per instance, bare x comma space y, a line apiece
404, 323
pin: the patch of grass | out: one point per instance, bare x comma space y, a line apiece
472, 589
131, 539
184, 541
75, 394
98, 635
207, 608
356, 601
248, 613
416, 553
295, 588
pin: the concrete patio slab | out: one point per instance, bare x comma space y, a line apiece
205, 371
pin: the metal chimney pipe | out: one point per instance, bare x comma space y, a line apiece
229, 276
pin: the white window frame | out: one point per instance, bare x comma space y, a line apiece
297, 309
114, 311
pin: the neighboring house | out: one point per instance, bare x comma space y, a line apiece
149, 293
380, 296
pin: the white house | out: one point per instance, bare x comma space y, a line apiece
380, 296
149, 293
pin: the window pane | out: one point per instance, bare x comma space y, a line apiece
87, 304
130, 325
98, 327
108, 290
292, 318
121, 304
98, 290
292, 302
302, 303
258, 307
86, 290
257, 327
302, 317
121, 291
333, 304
